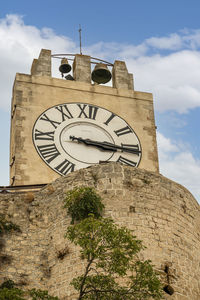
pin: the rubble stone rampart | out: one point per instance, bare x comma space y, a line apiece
162, 213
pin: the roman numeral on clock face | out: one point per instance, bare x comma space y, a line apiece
122, 131
132, 148
126, 161
48, 152
48, 136
109, 119
74, 135
63, 109
65, 167
46, 118
88, 111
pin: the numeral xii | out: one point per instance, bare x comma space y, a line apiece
87, 111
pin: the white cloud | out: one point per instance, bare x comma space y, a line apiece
166, 145
185, 39
167, 66
178, 164
172, 42
173, 77
19, 45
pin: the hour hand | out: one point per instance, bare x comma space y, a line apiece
106, 146
101, 145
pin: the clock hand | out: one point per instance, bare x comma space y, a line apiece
88, 142
107, 146
134, 149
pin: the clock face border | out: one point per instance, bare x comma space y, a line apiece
87, 114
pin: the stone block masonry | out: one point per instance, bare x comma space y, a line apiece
162, 213
36, 93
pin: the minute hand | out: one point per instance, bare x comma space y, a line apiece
106, 146
102, 145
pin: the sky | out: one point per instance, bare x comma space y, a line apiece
158, 40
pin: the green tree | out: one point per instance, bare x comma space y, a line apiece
82, 201
112, 270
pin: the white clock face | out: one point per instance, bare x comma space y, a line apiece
72, 136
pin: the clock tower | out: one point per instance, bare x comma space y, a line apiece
62, 125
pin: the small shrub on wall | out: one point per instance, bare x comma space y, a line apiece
82, 201
8, 291
7, 226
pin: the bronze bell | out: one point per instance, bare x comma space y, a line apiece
101, 74
64, 67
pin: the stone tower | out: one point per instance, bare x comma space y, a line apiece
48, 112
97, 136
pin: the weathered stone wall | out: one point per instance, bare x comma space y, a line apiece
162, 213
34, 94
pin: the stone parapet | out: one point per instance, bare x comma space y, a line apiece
42, 65
121, 78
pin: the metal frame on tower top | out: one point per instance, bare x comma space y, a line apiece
68, 55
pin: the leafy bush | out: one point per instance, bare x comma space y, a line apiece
8, 291
11, 294
82, 201
41, 295
7, 226
9, 284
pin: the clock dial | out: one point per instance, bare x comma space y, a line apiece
71, 136
78, 150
